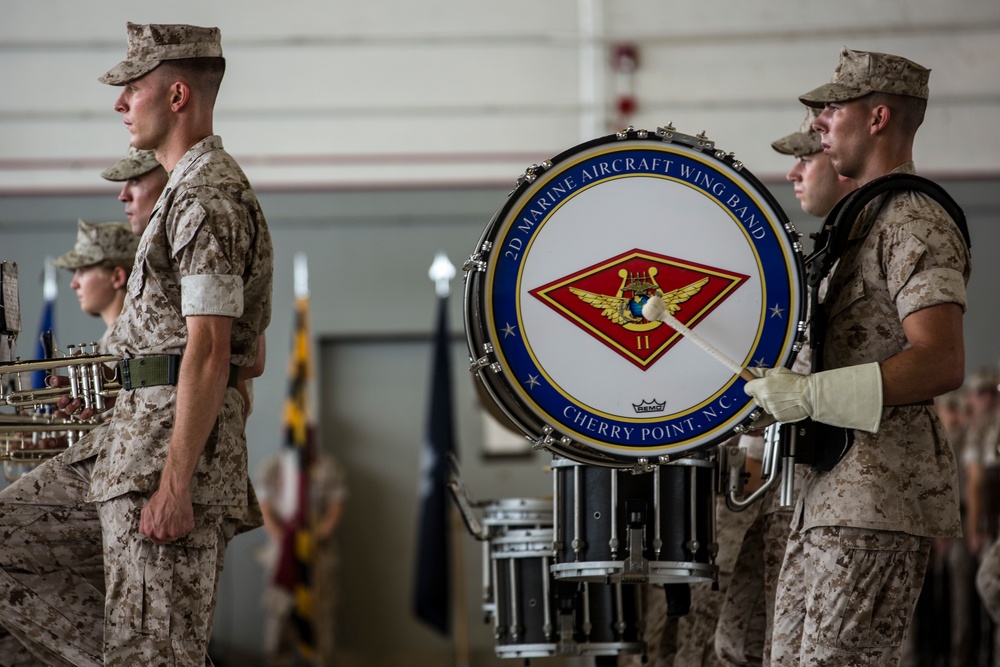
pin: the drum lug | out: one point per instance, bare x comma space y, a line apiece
635, 566
532, 172
474, 264
480, 363
631, 131
642, 465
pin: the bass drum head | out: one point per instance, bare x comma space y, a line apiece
555, 291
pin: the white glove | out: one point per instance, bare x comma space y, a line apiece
850, 397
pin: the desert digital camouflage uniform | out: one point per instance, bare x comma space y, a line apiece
860, 540
743, 634
207, 251
326, 487
689, 640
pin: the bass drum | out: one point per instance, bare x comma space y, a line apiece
555, 289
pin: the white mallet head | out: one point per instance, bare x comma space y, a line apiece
653, 308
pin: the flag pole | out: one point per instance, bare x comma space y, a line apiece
441, 273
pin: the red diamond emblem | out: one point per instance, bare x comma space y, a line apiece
606, 300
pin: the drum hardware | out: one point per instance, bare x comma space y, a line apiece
788, 437
635, 566
777, 467
670, 134
532, 172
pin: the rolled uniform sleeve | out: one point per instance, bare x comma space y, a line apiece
928, 261
210, 247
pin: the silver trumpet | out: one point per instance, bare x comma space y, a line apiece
35, 433
87, 374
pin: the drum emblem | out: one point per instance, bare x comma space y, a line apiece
606, 300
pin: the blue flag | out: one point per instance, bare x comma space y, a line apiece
432, 583
47, 324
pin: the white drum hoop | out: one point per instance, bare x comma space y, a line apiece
506, 513
555, 287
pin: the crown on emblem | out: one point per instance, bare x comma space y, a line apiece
649, 406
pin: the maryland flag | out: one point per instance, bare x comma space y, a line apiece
297, 549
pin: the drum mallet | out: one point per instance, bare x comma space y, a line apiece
655, 310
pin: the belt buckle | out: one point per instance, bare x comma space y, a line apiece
126, 374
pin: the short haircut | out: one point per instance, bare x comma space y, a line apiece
110, 265
203, 74
907, 109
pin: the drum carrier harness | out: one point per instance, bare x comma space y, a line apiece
820, 445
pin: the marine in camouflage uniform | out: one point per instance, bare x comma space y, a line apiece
142, 179
90, 574
743, 636
105, 251
861, 532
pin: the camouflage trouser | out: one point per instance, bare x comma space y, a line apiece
744, 630
56, 553
51, 568
845, 597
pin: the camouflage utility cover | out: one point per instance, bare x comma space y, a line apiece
151, 44
863, 72
135, 164
96, 242
804, 142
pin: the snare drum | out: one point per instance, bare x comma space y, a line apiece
524, 617
536, 616
555, 288
499, 517
614, 525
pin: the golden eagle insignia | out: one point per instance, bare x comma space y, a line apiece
625, 308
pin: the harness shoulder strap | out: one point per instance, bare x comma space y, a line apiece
836, 230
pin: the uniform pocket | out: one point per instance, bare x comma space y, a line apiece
878, 576
852, 291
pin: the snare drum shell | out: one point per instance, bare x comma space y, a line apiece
683, 511
524, 607
599, 616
